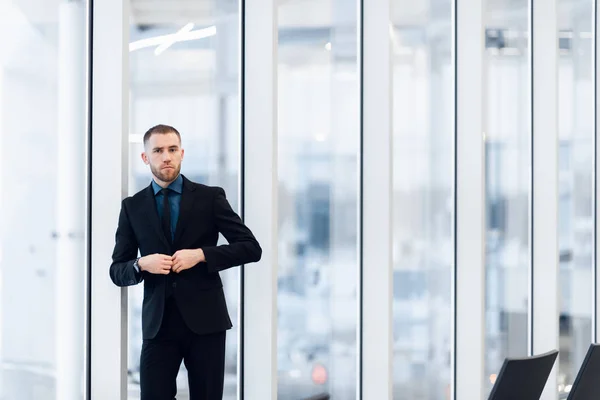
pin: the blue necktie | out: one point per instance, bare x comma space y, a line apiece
166, 216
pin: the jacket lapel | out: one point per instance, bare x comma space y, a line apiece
152, 213
185, 208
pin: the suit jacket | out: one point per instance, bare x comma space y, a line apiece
198, 291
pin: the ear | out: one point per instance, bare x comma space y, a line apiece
182, 153
145, 158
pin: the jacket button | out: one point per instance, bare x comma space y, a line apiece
174, 284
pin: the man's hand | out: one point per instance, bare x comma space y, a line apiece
186, 259
156, 264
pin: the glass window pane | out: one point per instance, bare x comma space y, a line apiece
423, 95
318, 198
43, 104
576, 195
193, 86
508, 174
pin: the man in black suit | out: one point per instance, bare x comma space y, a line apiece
175, 225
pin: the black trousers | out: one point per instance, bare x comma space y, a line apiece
203, 356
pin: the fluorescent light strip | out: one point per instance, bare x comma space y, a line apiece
168, 43
173, 38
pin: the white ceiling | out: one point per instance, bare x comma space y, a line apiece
290, 12
308, 13
179, 12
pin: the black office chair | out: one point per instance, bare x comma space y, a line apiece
523, 378
322, 396
587, 383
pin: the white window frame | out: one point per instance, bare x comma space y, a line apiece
110, 127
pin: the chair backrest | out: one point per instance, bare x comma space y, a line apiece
322, 396
523, 378
587, 383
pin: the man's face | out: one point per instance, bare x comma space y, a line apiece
163, 154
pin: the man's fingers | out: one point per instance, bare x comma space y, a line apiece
164, 263
178, 267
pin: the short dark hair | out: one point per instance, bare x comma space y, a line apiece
160, 130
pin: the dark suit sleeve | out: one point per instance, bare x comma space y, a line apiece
243, 248
125, 252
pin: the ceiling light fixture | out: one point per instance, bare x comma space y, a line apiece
168, 43
173, 38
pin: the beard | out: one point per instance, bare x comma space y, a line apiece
166, 175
